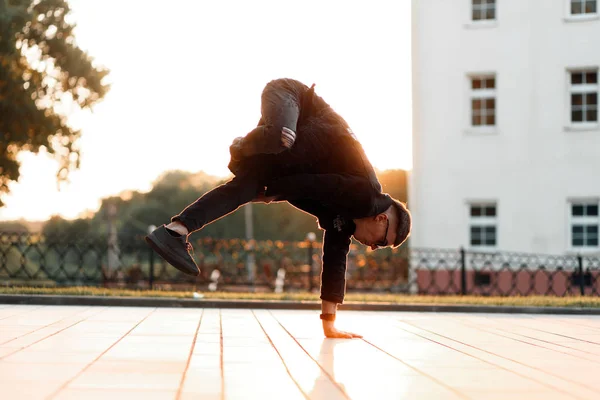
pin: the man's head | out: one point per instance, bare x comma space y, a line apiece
388, 229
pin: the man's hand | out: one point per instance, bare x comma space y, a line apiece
330, 331
327, 307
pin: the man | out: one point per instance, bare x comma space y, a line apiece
304, 153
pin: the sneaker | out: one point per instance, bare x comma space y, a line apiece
175, 250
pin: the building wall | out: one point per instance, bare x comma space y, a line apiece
532, 163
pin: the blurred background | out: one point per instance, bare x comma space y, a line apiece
480, 114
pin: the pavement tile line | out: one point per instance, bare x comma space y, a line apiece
333, 381
558, 334
189, 360
281, 357
63, 386
559, 345
52, 334
24, 312
596, 360
221, 356
566, 336
575, 322
45, 326
426, 375
494, 364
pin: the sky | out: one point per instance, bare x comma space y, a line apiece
186, 78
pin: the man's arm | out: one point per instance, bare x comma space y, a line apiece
333, 280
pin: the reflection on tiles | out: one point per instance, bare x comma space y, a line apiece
53, 352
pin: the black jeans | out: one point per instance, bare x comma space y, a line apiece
219, 202
262, 161
280, 107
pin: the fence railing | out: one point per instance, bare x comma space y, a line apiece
32, 259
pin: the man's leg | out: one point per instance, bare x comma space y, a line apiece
218, 203
276, 130
170, 241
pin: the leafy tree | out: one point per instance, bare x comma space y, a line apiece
59, 229
41, 68
13, 227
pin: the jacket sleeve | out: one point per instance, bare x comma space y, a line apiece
337, 190
333, 275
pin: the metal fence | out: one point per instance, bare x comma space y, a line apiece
503, 273
35, 260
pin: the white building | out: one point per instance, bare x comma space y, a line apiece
506, 140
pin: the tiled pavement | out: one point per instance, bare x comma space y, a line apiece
55, 352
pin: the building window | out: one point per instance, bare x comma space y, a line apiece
584, 96
584, 224
582, 7
483, 222
483, 101
483, 10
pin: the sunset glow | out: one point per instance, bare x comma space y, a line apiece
186, 79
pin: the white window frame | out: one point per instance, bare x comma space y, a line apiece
482, 221
580, 17
487, 4
584, 88
470, 23
582, 220
481, 94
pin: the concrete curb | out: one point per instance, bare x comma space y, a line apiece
279, 305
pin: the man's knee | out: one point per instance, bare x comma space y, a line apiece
281, 84
280, 106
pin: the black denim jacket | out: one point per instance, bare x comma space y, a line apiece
327, 173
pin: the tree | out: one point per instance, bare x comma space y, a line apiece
13, 227
57, 229
41, 68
